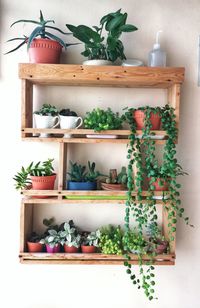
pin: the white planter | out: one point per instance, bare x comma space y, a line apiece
98, 62
42, 121
70, 122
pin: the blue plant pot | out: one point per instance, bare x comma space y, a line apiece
81, 185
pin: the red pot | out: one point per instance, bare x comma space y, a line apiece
44, 51
71, 249
157, 187
43, 183
55, 249
34, 247
88, 249
139, 117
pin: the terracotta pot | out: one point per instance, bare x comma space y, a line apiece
156, 185
44, 51
55, 249
88, 249
43, 182
106, 186
71, 249
34, 247
161, 247
139, 117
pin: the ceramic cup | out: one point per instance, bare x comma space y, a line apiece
70, 122
42, 121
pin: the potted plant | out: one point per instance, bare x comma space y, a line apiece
70, 238
33, 243
102, 43
111, 240
45, 49
69, 120
80, 179
52, 241
115, 181
147, 115
40, 176
46, 117
90, 241
157, 242
101, 120
134, 242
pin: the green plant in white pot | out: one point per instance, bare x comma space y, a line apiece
102, 43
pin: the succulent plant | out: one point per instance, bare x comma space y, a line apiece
68, 112
47, 109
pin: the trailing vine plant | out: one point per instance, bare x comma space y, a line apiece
145, 212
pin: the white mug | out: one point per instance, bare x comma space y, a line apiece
70, 122
43, 121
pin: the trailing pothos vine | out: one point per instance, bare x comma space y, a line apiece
141, 154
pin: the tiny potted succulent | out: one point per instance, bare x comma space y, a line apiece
69, 120
45, 49
46, 117
70, 238
52, 241
115, 181
101, 120
157, 242
103, 48
33, 243
40, 176
80, 179
90, 241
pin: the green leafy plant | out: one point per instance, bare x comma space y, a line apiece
91, 238
47, 110
99, 120
104, 46
111, 240
78, 172
53, 238
34, 237
42, 30
68, 112
39, 169
70, 236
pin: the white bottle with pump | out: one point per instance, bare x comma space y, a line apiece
157, 57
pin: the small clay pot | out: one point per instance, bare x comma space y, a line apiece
71, 249
88, 249
161, 247
34, 247
106, 186
157, 186
139, 117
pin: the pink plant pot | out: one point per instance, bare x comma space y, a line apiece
55, 249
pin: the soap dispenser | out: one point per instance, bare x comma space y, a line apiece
157, 57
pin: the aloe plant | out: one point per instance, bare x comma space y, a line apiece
42, 30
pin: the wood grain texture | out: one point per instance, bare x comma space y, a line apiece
112, 76
26, 105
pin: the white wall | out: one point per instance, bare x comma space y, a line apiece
51, 286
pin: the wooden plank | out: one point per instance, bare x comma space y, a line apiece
26, 224
62, 166
174, 100
165, 229
113, 76
26, 106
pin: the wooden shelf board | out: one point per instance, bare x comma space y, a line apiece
111, 76
97, 258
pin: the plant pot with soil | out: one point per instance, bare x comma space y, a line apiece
69, 120
33, 243
80, 179
115, 181
157, 243
70, 238
90, 241
52, 241
102, 42
39, 176
45, 49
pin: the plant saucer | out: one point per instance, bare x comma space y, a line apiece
102, 136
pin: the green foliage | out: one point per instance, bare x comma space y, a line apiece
53, 238
111, 240
106, 46
39, 169
134, 242
46, 110
91, 239
120, 178
35, 237
70, 236
99, 120
78, 172
42, 30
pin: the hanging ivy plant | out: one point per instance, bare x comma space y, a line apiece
145, 212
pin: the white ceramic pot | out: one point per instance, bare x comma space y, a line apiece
98, 62
42, 121
70, 122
